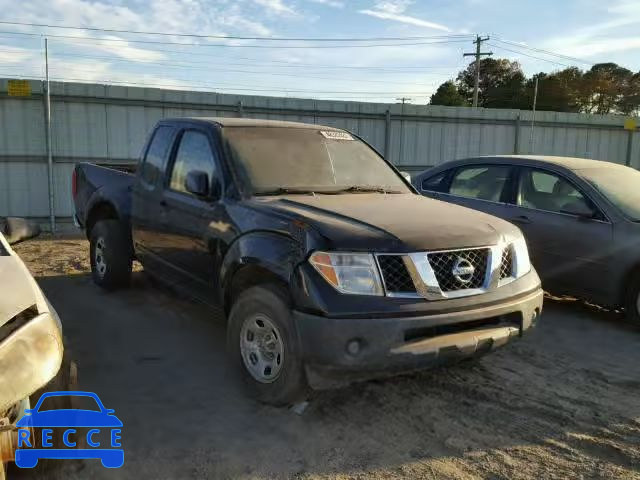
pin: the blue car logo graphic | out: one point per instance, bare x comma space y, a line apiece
68, 420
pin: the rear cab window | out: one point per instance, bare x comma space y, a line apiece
154, 161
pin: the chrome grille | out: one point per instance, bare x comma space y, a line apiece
395, 274
506, 265
443, 264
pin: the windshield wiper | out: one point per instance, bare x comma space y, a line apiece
284, 191
365, 189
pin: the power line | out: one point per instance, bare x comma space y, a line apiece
226, 45
200, 88
235, 88
277, 74
223, 70
234, 37
547, 52
529, 55
270, 63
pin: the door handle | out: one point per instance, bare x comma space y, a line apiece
522, 219
163, 203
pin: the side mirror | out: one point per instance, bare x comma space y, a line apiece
578, 208
197, 182
17, 229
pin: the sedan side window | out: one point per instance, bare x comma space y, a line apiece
550, 192
434, 184
194, 153
480, 182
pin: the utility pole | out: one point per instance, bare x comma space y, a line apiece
47, 118
404, 100
533, 116
478, 54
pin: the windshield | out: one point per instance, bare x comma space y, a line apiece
297, 160
621, 185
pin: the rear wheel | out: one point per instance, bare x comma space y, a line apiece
262, 343
632, 303
110, 251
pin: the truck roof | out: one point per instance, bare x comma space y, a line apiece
251, 122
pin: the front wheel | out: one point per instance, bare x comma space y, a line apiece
262, 344
632, 303
111, 257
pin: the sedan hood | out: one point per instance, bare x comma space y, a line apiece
392, 222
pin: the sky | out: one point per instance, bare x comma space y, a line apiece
543, 35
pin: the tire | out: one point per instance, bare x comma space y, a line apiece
110, 254
632, 300
267, 357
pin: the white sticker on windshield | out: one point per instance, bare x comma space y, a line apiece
336, 135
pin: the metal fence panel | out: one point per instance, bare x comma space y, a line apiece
108, 124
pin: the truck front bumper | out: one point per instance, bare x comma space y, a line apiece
338, 350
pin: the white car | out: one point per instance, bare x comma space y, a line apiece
31, 347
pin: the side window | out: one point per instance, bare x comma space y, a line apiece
480, 182
547, 191
434, 184
153, 165
194, 153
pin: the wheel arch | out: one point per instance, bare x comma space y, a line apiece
101, 210
632, 273
256, 259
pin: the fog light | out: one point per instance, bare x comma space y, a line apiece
353, 347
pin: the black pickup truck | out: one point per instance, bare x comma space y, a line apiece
329, 265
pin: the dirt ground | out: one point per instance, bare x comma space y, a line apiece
564, 402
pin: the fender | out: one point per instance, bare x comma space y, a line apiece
274, 252
122, 207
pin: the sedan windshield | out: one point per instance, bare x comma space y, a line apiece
298, 160
621, 185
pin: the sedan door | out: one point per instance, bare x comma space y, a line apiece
482, 187
569, 250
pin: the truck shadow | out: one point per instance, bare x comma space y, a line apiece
564, 396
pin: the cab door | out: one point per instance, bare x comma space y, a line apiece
190, 241
147, 196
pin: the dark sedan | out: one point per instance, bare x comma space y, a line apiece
581, 217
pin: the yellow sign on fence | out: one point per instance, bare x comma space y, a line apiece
19, 88
630, 124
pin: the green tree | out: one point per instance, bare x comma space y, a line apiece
557, 91
501, 83
629, 103
448, 95
604, 87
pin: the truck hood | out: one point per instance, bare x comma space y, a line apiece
17, 288
393, 222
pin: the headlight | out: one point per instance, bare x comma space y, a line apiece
522, 263
29, 358
354, 273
